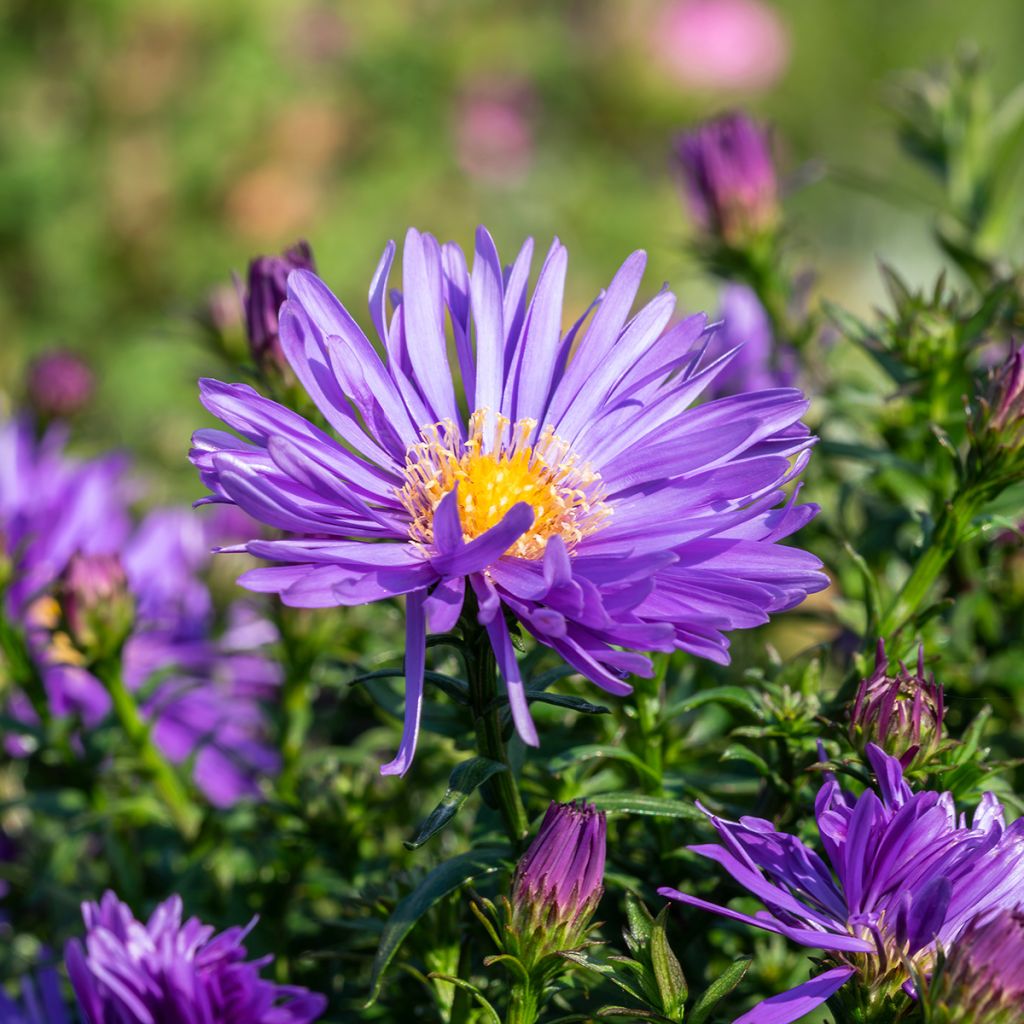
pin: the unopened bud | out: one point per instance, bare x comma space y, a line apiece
266, 289
900, 713
729, 179
96, 605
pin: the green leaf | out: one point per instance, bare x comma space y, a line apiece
652, 806
667, 970
594, 752
465, 778
718, 990
638, 934
457, 689
473, 990
612, 973
736, 696
562, 701
444, 879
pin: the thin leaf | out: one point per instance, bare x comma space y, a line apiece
717, 991
651, 806
736, 696
465, 778
668, 973
472, 989
595, 752
444, 879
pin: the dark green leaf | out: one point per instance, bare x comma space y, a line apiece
638, 934
594, 752
561, 701
640, 803
667, 970
444, 879
465, 778
717, 991
457, 689
736, 696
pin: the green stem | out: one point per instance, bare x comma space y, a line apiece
522, 1004
165, 779
482, 676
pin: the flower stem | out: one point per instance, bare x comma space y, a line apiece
482, 676
522, 1004
137, 729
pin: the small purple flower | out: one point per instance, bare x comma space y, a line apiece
584, 492
59, 384
761, 362
41, 1001
729, 178
266, 289
980, 979
167, 971
901, 713
908, 874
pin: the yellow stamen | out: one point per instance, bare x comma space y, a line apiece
566, 496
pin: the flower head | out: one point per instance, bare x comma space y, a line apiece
980, 979
581, 493
908, 875
901, 713
167, 971
96, 603
264, 293
59, 384
729, 178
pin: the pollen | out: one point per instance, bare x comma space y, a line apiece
519, 464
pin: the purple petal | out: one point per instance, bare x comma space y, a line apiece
415, 655
798, 1002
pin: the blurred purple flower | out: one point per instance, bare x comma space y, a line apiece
721, 44
172, 972
560, 879
585, 495
908, 873
264, 293
493, 130
95, 603
59, 384
41, 1001
729, 178
981, 977
760, 362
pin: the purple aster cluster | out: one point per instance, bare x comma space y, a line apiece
908, 875
729, 178
170, 971
566, 477
41, 1001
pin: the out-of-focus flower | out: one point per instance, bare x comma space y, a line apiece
584, 495
559, 881
760, 362
901, 713
1006, 401
41, 1001
266, 289
908, 874
175, 972
494, 131
721, 44
980, 979
59, 384
729, 179
96, 604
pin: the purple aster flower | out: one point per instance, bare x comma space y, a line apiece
980, 980
167, 971
901, 713
908, 875
760, 361
41, 1001
59, 384
583, 492
265, 291
729, 178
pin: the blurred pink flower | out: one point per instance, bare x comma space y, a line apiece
493, 130
721, 44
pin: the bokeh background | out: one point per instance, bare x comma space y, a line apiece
148, 149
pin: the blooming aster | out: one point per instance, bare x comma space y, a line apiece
908, 874
167, 971
566, 479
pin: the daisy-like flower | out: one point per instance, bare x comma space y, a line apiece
568, 478
169, 971
908, 875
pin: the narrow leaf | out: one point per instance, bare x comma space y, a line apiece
652, 806
465, 778
667, 970
595, 752
717, 991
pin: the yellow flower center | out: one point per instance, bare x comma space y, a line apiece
565, 495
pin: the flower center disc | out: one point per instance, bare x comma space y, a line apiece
565, 496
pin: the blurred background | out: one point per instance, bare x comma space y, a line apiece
149, 149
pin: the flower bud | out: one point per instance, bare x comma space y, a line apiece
901, 713
729, 179
59, 384
1006, 400
96, 605
266, 289
980, 979
558, 883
